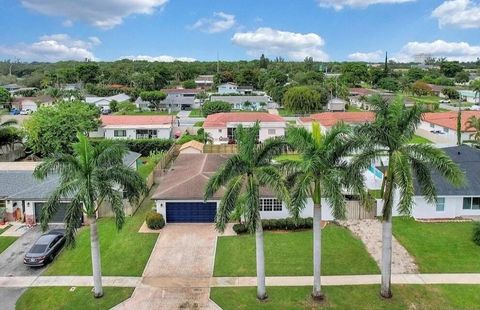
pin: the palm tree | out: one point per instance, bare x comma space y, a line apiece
7, 134
321, 173
55, 93
474, 123
476, 90
389, 136
92, 175
243, 174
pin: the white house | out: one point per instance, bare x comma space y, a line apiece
104, 102
204, 81
31, 103
328, 119
336, 105
23, 195
452, 202
469, 96
134, 127
239, 102
227, 88
221, 126
445, 124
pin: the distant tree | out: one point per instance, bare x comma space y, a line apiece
88, 72
212, 107
389, 83
308, 78
309, 64
451, 93
4, 97
143, 81
113, 105
201, 95
415, 74
302, 99
353, 73
189, 84
375, 75
462, 77
125, 107
52, 130
155, 97
450, 68
263, 62
420, 88
8, 133
56, 93
247, 105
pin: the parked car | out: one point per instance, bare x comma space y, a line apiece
15, 111
45, 248
26, 112
106, 111
444, 101
475, 107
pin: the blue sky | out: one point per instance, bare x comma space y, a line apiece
54, 30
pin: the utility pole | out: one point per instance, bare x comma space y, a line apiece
218, 64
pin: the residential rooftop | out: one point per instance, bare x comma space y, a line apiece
328, 119
222, 119
132, 120
449, 119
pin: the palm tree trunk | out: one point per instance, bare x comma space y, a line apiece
96, 261
260, 256
386, 257
317, 251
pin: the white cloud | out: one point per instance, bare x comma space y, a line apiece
461, 51
53, 48
459, 13
374, 56
220, 22
295, 46
340, 4
161, 58
104, 14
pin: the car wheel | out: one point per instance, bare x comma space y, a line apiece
50, 258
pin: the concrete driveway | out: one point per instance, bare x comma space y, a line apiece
178, 273
11, 264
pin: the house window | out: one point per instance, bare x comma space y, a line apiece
445, 129
270, 204
440, 205
471, 203
119, 133
432, 125
146, 133
271, 131
220, 130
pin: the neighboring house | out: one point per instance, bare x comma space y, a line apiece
452, 202
72, 87
204, 81
134, 127
359, 97
328, 119
23, 195
227, 88
192, 147
31, 103
104, 102
221, 126
12, 87
469, 96
437, 90
181, 99
336, 105
238, 102
445, 124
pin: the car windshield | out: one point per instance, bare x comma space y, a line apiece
38, 248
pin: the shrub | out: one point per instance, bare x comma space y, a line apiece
476, 233
239, 228
148, 146
155, 220
213, 107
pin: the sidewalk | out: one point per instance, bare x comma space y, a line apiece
436, 278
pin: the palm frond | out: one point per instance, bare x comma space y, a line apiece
402, 171
228, 202
233, 167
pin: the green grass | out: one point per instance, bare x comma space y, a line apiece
439, 247
4, 228
198, 124
352, 108
419, 140
5, 242
124, 252
425, 99
290, 254
148, 164
196, 113
52, 298
352, 297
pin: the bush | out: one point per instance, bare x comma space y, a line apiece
148, 146
155, 220
239, 228
476, 233
213, 107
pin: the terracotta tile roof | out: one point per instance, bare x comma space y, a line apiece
221, 119
328, 119
136, 119
449, 119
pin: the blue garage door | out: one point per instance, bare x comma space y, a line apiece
191, 212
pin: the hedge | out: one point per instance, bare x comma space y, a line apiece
278, 224
148, 146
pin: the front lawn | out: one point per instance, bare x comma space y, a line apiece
439, 247
196, 113
52, 298
148, 164
290, 254
124, 252
419, 140
5, 242
352, 297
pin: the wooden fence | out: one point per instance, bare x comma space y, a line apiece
220, 148
162, 165
355, 211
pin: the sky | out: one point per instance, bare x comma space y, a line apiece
189, 30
